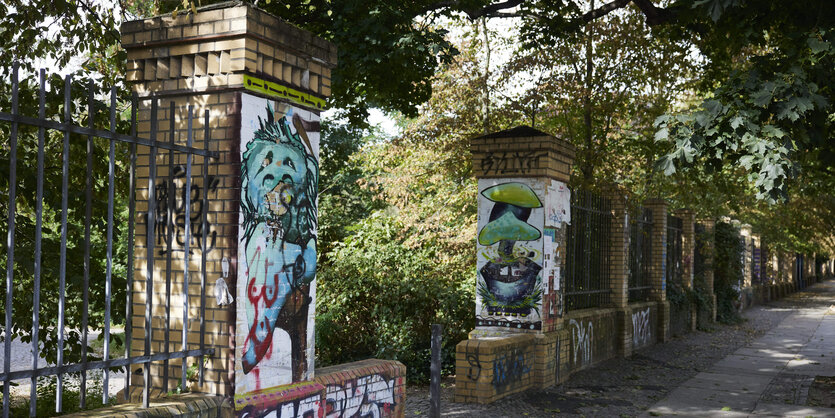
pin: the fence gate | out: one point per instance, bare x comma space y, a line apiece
63, 209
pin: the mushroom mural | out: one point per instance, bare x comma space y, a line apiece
510, 284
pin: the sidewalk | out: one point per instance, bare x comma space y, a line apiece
761, 367
771, 376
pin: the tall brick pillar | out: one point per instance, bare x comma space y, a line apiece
524, 207
688, 236
263, 83
745, 232
658, 269
708, 245
619, 267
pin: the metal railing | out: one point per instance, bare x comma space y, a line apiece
675, 241
12, 318
587, 262
640, 255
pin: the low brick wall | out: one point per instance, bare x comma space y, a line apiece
491, 368
641, 325
189, 405
364, 388
589, 337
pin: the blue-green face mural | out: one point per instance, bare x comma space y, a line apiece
280, 175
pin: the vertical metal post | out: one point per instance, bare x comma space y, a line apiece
131, 222
62, 278
187, 243
88, 216
111, 174
169, 249
435, 372
7, 349
36, 299
204, 228
149, 247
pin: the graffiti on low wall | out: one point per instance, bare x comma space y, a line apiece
277, 244
582, 341
641, 328
291, 401
509, 368
367, 396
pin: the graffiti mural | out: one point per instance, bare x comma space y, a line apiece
367, 396
277, 244
509, 289
641, 329
292, 401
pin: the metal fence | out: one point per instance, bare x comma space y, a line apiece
44, 270
640, 255
700, 251
587, 262
675, 241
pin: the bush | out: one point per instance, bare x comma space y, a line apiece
727, 272
379, 299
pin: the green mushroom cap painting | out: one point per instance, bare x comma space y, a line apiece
510, 284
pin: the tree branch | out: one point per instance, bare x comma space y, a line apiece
655, 15
604, 10
491, 10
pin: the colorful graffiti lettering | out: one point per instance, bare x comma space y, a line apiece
278, 233
367, 396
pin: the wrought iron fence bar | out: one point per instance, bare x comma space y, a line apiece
131, 219
149, 248
169, 228
67, 127
111, 179
88, 217
187, 243
62, 278
205, 232
36, 296
7, 349
103, 364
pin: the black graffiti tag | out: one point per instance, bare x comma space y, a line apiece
510, 162
161, 224
474, 372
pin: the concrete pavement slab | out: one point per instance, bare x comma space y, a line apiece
764, 409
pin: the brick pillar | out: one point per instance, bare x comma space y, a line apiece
658, 271
619, 267
745, 232
688, 236
524, 207
708, 249
263, 83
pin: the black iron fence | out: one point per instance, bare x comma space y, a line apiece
675, 243
31, 271
587, 262
640, 255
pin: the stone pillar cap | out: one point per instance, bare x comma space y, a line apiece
522, 151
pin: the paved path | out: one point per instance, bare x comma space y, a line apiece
772, 375
761, 367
